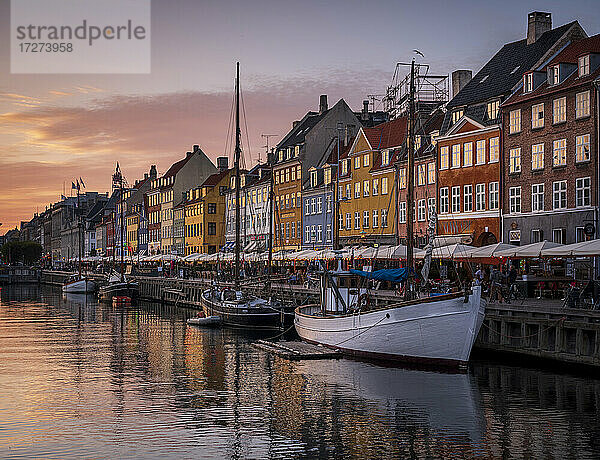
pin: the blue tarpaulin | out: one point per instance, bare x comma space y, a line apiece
396, 275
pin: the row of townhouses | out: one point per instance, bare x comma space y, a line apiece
512, 156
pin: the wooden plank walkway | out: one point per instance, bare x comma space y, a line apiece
296, 350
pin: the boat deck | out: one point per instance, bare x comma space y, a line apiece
296, 350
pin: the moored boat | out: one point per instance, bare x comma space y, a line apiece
77, 284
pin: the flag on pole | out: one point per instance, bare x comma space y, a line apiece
73, 187
78, 186
82, 184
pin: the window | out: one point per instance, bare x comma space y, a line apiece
584, 65
366, 187
431, 206
480, 152
537, 197
375, 218
421, 173
328, 235
554, 75
348, 221
515, 199
492, 109
212, 228
422, 210
365, 219
431, 173
329, 200
319, 233
293, 174
579, 235
385, 158
327, 176
559, 152
366, 160
375, 187
468, 198
536, 235
402, 178
298, 200
313, 233
537, 157
307, 234
287, 174
357, 190
456, 156
402, 212
313, 205
480, 197
559, 235
456, 115
515, 160
494, 195
212, 208
582, 191
384, 185
582, 148
293, 228
313, 178
299, 226
528, 83
356, 220
468, 154
494, 149
514, 121
384, 219
456, 199
319, 205
537, 116
559, 194
559, 110
443, 200
582, 104
357, 162
444, 157
344, 167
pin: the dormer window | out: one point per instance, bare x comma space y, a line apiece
456, 115
297, 151
385, 158
528, 83
327, 175
280, 155
554, 75
344, 167
313, 178
492, 109
584, 65
417, 143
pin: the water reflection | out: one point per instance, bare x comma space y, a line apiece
82, 379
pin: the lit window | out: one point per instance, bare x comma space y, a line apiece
421, 173
375, 190
537, 197
559, 194
357, 190
431, 173
468, 154
559, 152
494, 149
385, 158
515, 199
559, 110
582, 192
537, 116
584, 65
492, 109
582, 148
480, 154
402, 178
444, 157
456, 115
537, 157
456, 156
582, 104
366, 188
357, 162
384, 185
366, 160
515, 160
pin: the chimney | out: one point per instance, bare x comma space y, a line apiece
222, 164
153, 172
347, 136
323, 103
196, 148
365, 110
188, 154
295, 123
459, 79
537, 23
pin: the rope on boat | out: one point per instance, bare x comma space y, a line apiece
387, 315
560, 320
279, 335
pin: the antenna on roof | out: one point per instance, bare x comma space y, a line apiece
266, 137
419, 53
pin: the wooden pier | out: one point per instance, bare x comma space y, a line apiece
296, 351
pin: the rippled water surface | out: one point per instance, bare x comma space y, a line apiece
80, 379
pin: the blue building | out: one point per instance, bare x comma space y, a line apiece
317, 208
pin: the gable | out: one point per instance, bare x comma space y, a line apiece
467, 128
361, 144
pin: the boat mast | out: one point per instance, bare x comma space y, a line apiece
271, 160
237, 178
335, 197
410, 183
122, 257
78, 215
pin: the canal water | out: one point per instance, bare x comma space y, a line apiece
80, 379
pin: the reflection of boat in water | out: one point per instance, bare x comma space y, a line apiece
208, 321
448, 403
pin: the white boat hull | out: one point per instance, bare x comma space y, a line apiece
439, 331
82, 286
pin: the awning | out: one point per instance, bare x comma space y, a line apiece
228, 247
589, 248
250, 246
529, 250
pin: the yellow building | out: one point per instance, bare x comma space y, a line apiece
132, 223
367, 193
204, 209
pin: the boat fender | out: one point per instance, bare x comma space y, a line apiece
387, 315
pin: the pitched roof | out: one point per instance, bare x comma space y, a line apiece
569, 55
297, 134
215, 178
387, 135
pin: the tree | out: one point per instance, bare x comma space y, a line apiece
27, 252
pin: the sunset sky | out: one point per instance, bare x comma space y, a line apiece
55, 128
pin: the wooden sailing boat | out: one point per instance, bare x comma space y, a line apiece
234, 307
440, 330
79, 284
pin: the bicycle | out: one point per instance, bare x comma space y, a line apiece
513, 292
